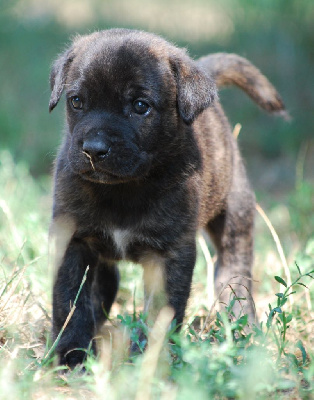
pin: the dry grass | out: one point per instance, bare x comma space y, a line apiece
25, 310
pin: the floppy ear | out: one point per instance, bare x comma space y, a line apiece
195, 89
58, 76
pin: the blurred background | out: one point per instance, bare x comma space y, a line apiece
277, 36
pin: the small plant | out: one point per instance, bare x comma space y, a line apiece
228, 362
283, 318
221, 360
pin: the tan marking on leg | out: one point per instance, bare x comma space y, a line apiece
154, 285
60, 233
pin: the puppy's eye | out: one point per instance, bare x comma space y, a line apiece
141, 107
76, 102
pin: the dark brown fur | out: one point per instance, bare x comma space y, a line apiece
137, 186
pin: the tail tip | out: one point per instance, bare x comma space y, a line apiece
283, 113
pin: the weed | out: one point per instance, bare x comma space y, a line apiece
222, 358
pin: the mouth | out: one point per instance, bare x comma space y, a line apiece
111, 167
105, 177
97, 172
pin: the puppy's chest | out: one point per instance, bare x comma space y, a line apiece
128, 243
122, 239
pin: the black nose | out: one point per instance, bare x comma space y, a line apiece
96, 148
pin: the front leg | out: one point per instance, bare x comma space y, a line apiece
179, 273
167, 280
80, 329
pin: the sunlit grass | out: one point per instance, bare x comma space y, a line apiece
212, 359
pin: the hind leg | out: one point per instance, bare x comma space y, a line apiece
232, 234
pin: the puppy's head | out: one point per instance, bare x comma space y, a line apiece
127, 92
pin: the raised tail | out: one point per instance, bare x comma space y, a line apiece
231, 69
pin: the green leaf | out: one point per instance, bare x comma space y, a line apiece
278, 310
218, 316
220, 338
292, 358
279, 319
243, 320
192, 331
283, 301
302, 284
134, 336
218, 322
280, 280
301, 347
231, 304
298, 268
288, 318
280, 295
270, 318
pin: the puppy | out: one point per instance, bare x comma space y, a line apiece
148, 158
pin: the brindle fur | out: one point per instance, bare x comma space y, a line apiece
165, 175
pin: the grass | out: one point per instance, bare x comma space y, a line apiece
214, 356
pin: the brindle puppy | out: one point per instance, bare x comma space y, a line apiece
148, 158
